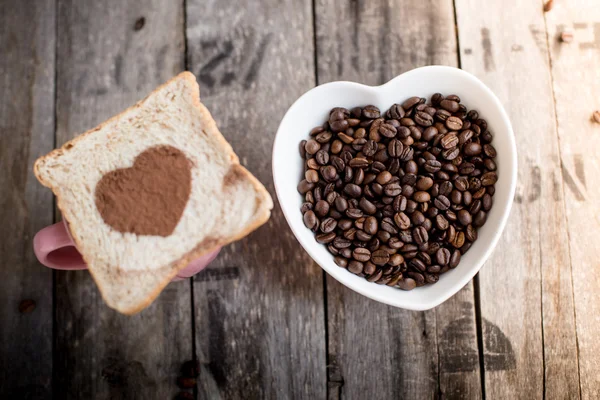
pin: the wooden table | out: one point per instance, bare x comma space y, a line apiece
264, 320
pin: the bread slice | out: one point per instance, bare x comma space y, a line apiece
225, 203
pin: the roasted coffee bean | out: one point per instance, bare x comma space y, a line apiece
355, 266
421, 197
328, 225
362, 255
464, 217
454, 123
310, 219
312, 146
340, 261
441, 202
322, 157
367, 206
432, 166
454, 259
371, 225
471, 233
311, 176
363, 236
321, 208
325, 238
417, 264
479, 219
489, 150
417, 218
371, 112
442, 256
380, 257
352, 190
472, 149
449, 105
424, 119
445, 188
489, 178
420, 235
392, 189
354, 213
402, 220
387, 224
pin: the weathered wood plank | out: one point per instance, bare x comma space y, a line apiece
27, 42
107, 60
526, 293
260, 331
377, 351
575, 70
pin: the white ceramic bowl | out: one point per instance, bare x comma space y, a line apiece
312, 109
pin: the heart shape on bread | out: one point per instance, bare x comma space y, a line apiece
148, 198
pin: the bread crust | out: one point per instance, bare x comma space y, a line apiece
263, 198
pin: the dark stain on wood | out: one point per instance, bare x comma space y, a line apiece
206, 72
580, 169
570, 182
556, 189
217, 365
257, 61
218, 274
456, 357
596, 42
498, 351
488, 55
536, 183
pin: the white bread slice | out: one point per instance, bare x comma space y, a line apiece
226, 201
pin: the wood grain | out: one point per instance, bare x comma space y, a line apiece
526, 292
575, 71
260, 331
26, 132
376, 351
104, 64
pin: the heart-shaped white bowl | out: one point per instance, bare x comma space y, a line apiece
312, 109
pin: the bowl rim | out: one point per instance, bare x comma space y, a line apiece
468, 275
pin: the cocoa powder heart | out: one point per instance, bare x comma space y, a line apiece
148, 198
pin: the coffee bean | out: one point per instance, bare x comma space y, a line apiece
402, 220
310, 219
363, 236
380, 257
325, 238
312, 146
489, 178
340, 261
341, 242
471, 233
472, 149
454, 123
489, 150
442, 256
424, 119
442, 202
321, 208
371, 112
421, 197
367, 206
464, 217
354, 213
359, 162
420, 235
432, 166
361, 254
311, 176
387, 225
449, 105
355, 266
322, 157
392, 189
479, 219
328, 225
352, 190
441, 222
454, 259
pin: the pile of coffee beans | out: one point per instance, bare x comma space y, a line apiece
397, 197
